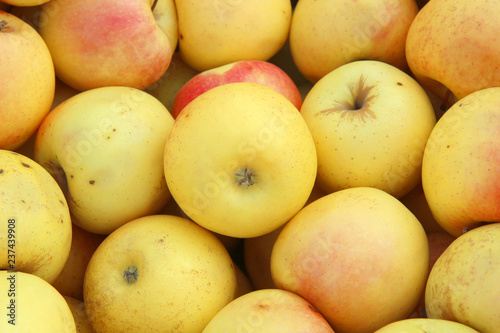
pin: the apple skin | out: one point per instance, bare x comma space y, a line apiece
327, 34
454, 45
77, 308
370, 122
28, 81
255, 71
358, 255
109, 43
268, 311
461, 163
427, 325
463, 283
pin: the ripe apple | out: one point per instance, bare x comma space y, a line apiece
463, 283
268, 311
357, 255
24, 3
77, 308
461, 163
28, 81
240, 160
105, 148
255, 71
427, 325
31, 304
36, 227
327, 34
110, 42
370, 122
158, 273
452, 45
214, 33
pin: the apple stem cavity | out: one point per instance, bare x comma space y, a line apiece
130, 274
246, 178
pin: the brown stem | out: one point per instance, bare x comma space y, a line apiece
154, 5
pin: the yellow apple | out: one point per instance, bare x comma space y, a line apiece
110, 43
214, 33
461, 163
105, 148
240, 160
25, 3
370, 122
327, 34
31, 304
36, 226
28, 81
77, 308
268, 311
452, 45
358, 255
425, 325
463, 283
158, 273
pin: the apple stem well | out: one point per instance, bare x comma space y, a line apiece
245, 177
130, 274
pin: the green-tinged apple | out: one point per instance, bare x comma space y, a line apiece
31, 304
158, 273
425, 325
167, 87
461, 163
110, 42
452, 47
357, 255
28, 81
214, 33
240, 160
105, 148
463, 283
36, 228
77, 308
268, 311
327, 34
255, 71
370, 122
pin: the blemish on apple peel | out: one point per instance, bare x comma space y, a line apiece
92, 182
130, 274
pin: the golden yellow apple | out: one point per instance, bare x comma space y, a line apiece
425, 325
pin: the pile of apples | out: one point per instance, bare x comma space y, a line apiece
250, 166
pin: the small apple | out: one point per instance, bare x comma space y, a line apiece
370, 122
158, 273
240, 160
268, 311
325, 35
215, 33
28, 81
255, 71
105, 148
98, 43
452, 47
463, 283
358, 255
461, 163
427, 325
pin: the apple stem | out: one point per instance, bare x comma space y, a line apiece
130, 274
247, 177
444, 104
154, 5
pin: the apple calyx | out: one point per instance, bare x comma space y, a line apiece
245, 177
4, 26
130, 274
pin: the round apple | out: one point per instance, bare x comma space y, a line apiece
427, 325
240, 160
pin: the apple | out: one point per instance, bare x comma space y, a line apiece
255, 71
31, 304
28, 81
452, 47
158, 273
77, 308
111, 42
463, 283
358, 255
268, 311
240, 160
36, 228
461, 163
370, 122
215, 33
24, 3
325, 35
105, 148
427, 325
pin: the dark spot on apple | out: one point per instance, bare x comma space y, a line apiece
181, 36
1, 170
62, 202
26, 165
400, 84
92, 182
312, 308
448, 146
